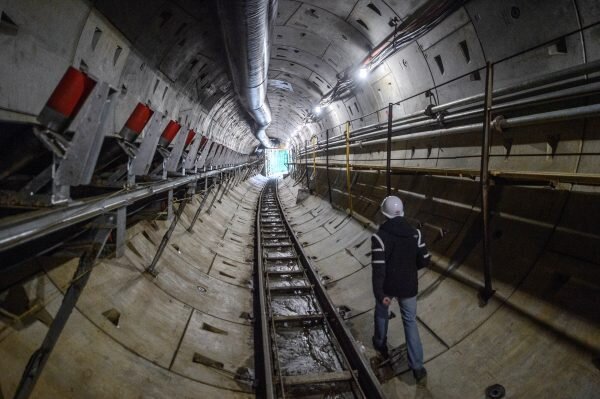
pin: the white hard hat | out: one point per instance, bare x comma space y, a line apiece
392, 207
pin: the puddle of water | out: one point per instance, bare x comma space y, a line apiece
278, 240
287, 280
291, 305
306, 350
267, 231
270, 220
278, 252
280, 266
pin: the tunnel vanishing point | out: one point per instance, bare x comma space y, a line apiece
188, 190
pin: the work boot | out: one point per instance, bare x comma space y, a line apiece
420, 375
383, 349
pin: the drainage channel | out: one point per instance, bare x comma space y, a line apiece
307, 351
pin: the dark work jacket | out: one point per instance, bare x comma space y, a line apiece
397, 252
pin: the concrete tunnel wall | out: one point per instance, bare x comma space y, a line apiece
185, 334
538, 337
141, 53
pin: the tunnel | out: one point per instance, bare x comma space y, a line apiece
189, 191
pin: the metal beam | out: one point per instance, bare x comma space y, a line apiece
484, 182
23, 228
40, 357
166, 237
306, 163
388, 148
219, 185
199, 210
327, 166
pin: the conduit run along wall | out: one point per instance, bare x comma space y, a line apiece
539, 336
185, 333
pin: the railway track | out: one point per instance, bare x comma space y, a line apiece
305, 350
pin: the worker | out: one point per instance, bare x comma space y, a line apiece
398, 251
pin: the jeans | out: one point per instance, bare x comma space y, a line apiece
408, 309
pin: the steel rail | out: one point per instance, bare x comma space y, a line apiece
24, 228
271, 210
264, 323
365, 376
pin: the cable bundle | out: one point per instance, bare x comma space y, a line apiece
418, 24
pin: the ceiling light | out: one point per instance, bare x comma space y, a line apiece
317, 110
363, 73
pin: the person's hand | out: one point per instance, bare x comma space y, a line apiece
386, 301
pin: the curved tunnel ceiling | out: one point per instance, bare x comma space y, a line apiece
313, 42
170, 55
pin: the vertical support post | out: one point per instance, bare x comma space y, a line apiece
327, 165
166, 237
219, 184
315, 143
348, 169
388, 171
294, 166
61, 193
120, 231
40, 357
205, 180
234, 180
170, 206
207, 191
487, 291
306, 163
226, 188
130, 175
295, 163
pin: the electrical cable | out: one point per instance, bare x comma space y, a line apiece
417, 25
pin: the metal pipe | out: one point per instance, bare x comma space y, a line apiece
327, 165
388, 173
518, 103
553, 77
484, 182
520, 121
529, 84
525, 85
23, 228
247, 27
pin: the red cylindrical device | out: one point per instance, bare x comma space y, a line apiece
190, 137
169, 133
66, 99
203, 142
136, 122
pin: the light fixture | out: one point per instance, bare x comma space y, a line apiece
317, 110
363, 73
